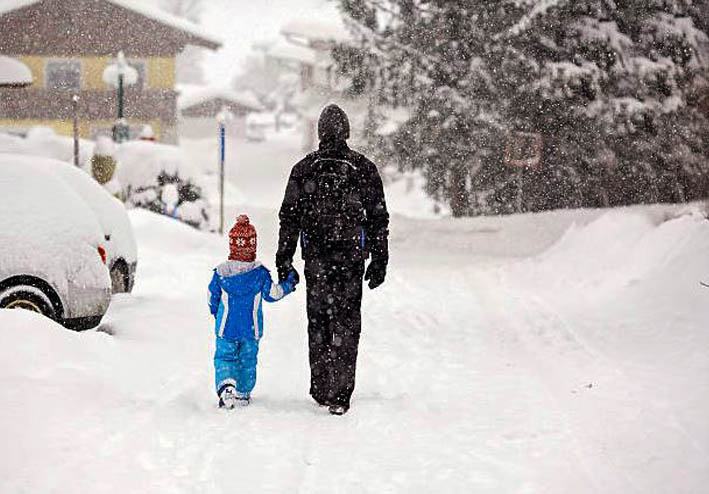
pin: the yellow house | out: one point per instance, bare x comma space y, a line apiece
67, 44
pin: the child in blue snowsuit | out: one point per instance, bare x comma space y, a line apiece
237, 290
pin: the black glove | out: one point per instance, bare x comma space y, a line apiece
285, 271
376, 272
292, 281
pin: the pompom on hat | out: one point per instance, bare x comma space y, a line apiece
242, 240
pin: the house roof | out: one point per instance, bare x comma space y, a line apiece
191, 95
296, 53
14, 73
316, 30
197, 34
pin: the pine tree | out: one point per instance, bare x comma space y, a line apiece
606, 83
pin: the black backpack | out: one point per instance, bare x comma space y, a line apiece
333, 212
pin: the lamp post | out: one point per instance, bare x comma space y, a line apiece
120, 75
75, 108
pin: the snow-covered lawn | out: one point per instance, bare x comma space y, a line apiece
551, 353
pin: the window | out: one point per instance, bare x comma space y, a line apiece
63, 75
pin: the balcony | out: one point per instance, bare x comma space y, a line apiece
40, 104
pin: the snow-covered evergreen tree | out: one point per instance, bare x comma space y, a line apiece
606, 83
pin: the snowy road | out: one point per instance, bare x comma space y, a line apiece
515, 355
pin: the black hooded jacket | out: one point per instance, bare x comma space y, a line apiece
298, 218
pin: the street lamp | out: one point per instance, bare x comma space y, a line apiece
120, 75
14, 73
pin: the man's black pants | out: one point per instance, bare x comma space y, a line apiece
334, 288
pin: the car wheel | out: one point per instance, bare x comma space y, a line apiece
119, 278
27, 298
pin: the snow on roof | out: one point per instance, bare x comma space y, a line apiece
193, 94
14, 73
140, 8
168, 19
316, 30
296, 53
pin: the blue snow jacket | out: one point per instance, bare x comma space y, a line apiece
236, 293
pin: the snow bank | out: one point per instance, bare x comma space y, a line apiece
43, 141
623, 248
45, 345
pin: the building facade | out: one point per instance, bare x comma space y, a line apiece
67, 44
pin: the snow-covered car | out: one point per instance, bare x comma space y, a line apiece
52, 254
119, 241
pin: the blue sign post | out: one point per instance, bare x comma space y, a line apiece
221, 118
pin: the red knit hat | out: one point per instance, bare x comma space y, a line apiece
242, 240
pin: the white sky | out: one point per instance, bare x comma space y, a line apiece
239, 23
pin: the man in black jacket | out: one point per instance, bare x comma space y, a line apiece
334, 203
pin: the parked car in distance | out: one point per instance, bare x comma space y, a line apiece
52, 252
256, 125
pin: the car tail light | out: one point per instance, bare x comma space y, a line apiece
102, 253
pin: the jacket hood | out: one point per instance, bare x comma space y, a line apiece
333, 124
231, 268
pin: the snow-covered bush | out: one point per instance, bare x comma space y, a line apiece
158, 177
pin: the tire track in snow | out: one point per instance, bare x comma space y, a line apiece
513, 329
601, 417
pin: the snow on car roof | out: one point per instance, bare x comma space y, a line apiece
139, 8
46, 228
14, 73
109, 211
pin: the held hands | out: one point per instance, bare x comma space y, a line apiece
376, 272
288, 277
291, 281
285, 271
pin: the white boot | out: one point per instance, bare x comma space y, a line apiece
228, 399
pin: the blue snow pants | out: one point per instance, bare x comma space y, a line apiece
235, 364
